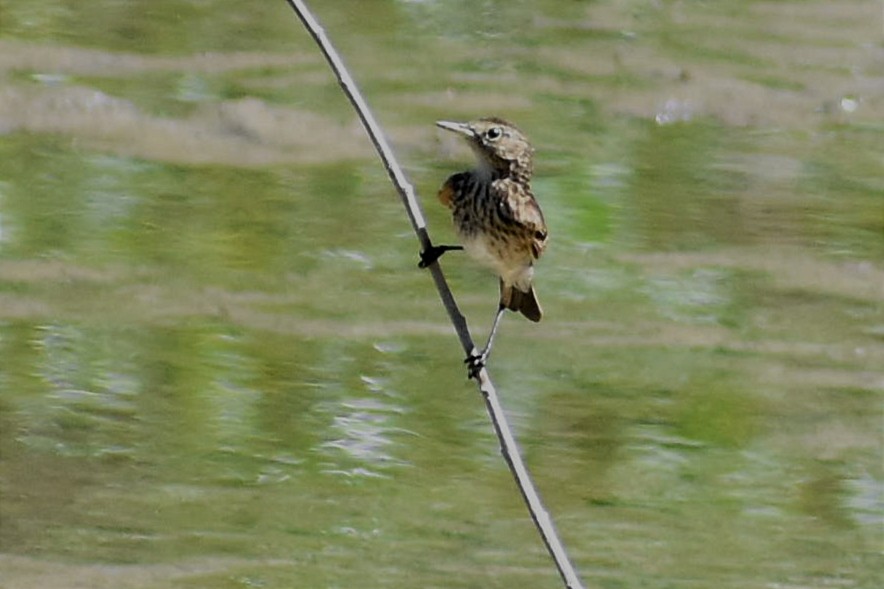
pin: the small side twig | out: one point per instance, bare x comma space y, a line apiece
508, 445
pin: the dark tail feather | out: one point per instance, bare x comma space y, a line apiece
524, 302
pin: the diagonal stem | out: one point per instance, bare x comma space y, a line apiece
508, 446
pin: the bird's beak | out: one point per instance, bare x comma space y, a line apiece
462, 128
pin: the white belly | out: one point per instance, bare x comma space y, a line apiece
515, 269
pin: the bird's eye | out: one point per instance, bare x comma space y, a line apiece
493, 133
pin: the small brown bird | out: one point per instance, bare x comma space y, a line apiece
496, 216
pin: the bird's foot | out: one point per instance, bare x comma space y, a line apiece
476, 362
434, 252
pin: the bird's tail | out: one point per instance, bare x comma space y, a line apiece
518, 300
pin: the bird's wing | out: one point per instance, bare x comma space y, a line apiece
524, 211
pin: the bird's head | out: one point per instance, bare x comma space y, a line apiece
500, 146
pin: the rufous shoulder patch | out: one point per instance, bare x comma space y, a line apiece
446, 194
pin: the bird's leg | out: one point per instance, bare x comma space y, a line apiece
434, 252
476, 362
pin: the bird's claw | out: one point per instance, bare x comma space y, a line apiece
434, 252
475, 363
427, 258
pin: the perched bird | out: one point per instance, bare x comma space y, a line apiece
496, 217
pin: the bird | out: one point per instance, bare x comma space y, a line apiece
496, 217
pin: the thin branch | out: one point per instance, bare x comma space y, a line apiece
508, 446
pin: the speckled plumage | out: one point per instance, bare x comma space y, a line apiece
494, 210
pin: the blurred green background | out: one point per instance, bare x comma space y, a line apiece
220, 366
